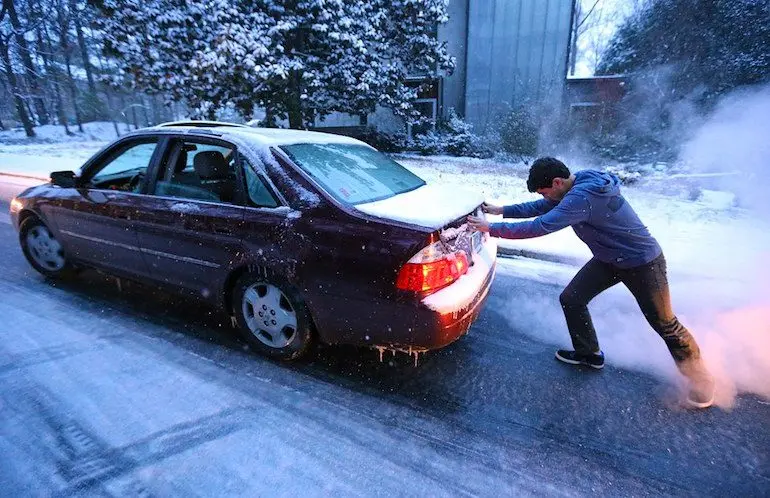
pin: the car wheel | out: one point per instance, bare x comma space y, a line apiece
272, 317
42, 250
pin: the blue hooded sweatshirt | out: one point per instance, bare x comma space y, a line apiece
597, 212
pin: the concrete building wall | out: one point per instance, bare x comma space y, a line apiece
516, 53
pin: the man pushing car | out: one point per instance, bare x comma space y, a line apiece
623, 251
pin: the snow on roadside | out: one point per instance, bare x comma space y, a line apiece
40, 166
100, 131
52, 149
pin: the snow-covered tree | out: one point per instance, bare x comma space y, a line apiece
710, 46
680, 58
297, 59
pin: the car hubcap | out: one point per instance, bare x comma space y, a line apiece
269, 315
45, 249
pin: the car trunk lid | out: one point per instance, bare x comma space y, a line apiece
430, 206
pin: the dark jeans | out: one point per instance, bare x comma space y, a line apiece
648, 284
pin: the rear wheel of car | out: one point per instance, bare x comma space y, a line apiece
42, 250
272, 317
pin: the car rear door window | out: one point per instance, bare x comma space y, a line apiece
200, 171
352, 173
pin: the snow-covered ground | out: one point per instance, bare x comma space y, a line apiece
93, 131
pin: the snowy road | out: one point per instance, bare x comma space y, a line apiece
131, 393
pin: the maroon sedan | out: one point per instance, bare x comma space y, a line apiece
300, 236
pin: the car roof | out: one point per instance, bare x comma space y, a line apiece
266, 137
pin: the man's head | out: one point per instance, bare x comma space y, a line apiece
550, 178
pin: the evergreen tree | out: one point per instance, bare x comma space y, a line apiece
297, 59
708, 46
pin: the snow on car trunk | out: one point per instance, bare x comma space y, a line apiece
430, 206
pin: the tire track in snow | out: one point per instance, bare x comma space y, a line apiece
77, 451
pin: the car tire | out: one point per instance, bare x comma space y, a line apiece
42, 250
272, 317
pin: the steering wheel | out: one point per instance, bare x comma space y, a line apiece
133, 183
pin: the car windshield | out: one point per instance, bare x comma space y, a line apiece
352, 173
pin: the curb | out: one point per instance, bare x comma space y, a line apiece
577, 263
29, 176
508, 252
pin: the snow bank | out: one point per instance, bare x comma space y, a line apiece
93, 131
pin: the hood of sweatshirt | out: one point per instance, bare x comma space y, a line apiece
597, 183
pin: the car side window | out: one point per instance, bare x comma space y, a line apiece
201, 171
125, 170
259, 193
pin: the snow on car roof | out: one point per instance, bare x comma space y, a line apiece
269, 137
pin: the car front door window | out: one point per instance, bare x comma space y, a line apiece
125, 169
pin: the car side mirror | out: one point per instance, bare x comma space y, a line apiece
65, 179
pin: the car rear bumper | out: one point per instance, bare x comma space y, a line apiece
446, 315
443, 328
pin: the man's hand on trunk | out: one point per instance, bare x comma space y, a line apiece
479, 224
491, 208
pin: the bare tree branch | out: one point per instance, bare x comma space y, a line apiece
588, 14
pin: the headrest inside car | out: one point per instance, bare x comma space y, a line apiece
210, 165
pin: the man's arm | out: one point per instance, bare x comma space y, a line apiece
528, 209
571, 210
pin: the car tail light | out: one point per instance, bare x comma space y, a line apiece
431, 269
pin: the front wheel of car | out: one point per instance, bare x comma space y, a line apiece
272, 317
42, 250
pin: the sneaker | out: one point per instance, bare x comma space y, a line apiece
593, 360
702, 386
701, 394
700, 399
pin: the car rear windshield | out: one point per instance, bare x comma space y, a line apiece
353, 174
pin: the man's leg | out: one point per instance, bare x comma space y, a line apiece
649, 285
592, 279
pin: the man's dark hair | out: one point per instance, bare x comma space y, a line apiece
543, 171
